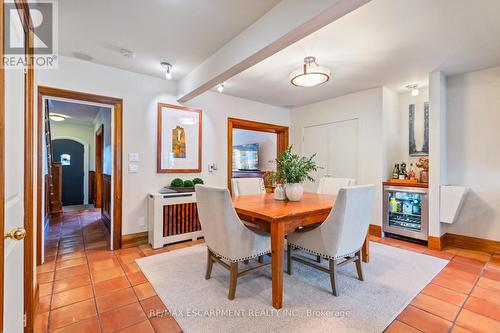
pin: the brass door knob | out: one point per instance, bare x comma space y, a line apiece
16, 234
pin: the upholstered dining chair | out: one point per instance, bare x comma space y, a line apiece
228, 240
332, 185
340, 238
247, 186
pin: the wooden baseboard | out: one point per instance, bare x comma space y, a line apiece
436, 243
136, 239
375, 230
473, 243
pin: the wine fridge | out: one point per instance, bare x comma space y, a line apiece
406, 211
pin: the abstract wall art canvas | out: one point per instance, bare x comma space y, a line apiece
419, 130
179, 139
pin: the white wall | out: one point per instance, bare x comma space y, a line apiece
392, 138
473, 158
267, 146
367, 107
104, 118
140, 94
84, 133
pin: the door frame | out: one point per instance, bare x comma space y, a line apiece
232, 123
99, 145
117, 125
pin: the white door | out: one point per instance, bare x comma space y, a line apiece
336, 148
315, 141
343, 149
13, 305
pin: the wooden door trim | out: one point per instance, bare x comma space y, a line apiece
117, 104
2, 164
99, 137
232, 123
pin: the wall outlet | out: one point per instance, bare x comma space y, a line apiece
212, 167
142, 221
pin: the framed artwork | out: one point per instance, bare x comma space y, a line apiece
419, 131
179, 139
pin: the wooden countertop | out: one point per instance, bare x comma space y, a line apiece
396, 183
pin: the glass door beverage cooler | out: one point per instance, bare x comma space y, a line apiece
406, 211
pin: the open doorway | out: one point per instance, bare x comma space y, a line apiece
252, 148
79, 156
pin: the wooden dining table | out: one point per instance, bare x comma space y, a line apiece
281, 217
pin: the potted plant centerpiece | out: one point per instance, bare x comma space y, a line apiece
293, 170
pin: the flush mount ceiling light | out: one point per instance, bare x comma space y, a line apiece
220, 87
187, 121
57, 117
310, 74
413, 88
168, 70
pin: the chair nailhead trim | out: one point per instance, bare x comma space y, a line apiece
324, 255
240, 259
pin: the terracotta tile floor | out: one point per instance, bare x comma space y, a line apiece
86, 288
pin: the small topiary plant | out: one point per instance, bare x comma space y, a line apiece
177, 182
197, 181
188, 183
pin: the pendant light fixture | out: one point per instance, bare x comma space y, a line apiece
220, 87
168, 70
413, 88
310, 74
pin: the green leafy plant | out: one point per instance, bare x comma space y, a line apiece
188, 183
197, 181
293, 168
177, 182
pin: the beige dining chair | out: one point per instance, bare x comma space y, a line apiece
247, 186
332, 185
228, 240
340, 238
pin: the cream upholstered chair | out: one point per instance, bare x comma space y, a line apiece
332, 185
247, 186
341, 236
228, 240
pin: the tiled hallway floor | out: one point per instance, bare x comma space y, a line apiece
86, 288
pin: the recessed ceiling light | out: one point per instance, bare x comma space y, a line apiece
310, 74
413, 88
220, 87
57, 117
168, 70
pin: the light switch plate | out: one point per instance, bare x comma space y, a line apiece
133, 168
133, 157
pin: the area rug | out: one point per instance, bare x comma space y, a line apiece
392, 278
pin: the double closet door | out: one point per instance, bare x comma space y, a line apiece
336, 147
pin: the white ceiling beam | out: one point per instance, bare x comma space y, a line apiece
285, 24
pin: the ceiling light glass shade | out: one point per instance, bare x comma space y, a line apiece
310, 74
414, 92
186, 121
220, 87
168, 75
56, 117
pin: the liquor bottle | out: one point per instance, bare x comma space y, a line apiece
411, 173
395, 172
402, 171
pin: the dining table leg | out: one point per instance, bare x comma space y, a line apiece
365, 251
278, 258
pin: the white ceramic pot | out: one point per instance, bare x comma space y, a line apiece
294, 191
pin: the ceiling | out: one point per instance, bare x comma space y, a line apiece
78, 113
386, 42
182, 32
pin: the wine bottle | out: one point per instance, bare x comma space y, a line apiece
395, 172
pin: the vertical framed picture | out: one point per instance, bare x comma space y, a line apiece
179, 139
419, 130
